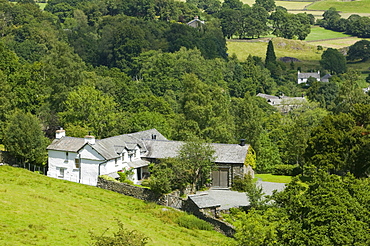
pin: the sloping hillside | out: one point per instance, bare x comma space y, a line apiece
37, 210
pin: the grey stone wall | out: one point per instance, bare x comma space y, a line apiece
206, 215
170, 200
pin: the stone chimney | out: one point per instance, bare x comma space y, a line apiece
242, 142
89, 139
60, 133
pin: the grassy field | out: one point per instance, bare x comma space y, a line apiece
319, 33
292, 5
274, 178
305, 52
38, 210
337, 43
360, 6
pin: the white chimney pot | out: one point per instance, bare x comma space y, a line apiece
60, 133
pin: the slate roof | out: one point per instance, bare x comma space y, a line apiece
138, 163
69, 144
195, 23
160, 147
326, 78
148, 134
224, 153
307, 75
204, 201
283, 100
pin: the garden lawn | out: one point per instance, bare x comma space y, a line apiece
274, 178
38, 210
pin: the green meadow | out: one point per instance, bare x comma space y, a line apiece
301, 50
360, 6
38, 210
320, 33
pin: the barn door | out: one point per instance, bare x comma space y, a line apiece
220, 178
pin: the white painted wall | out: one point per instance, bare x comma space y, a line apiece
57, 160
92, 164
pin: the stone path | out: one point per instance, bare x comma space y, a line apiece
228, 199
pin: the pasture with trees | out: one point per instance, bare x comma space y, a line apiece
122, 66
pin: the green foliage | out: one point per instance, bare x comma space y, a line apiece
160, 180
333, 61
338, 144
250, 159
326, 211
288, 170
192, 222
192, 166
360, 50
254, 228
123, 237
242, 184
109, 178
124, 176
24, 139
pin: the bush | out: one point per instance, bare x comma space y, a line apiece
192, 222
289, 170
122, 237
241, 184
106, 177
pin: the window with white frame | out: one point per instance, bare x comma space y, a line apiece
61, 172
77, 163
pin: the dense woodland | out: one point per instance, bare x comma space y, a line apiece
114, 67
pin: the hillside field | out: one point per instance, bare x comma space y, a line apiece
38, 210
301, 50
359, 6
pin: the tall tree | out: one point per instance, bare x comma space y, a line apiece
334, 61
359, 50
269, 5
198, 157
24, 139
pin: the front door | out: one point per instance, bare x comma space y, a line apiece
220, 178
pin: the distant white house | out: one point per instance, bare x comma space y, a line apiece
82, 160
303, 77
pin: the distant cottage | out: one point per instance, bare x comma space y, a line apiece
303, 77
196, 22
283, 103
82, 160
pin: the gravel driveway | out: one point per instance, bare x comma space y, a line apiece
228, 199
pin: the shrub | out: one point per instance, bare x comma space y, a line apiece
241, 184
289, 170
106, 177
122, 237
192, 222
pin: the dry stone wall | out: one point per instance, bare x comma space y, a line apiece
170, 200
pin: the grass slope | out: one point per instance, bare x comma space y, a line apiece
38, 210
359, 6
305, 52
319, 33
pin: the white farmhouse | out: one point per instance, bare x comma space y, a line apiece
82, 160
